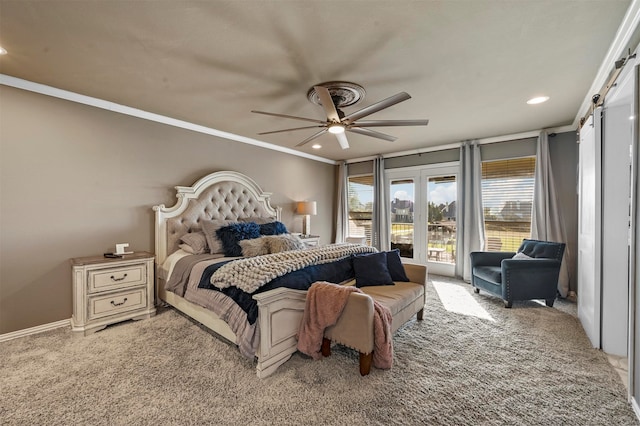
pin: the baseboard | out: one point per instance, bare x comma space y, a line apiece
35, 330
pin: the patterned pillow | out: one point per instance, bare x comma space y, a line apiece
232, 234
195, 242
254, 247
283, 242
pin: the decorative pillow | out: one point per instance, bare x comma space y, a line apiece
232, 234
210, 227
254, 247
258, 220
521, 256
187, 248
394, 264
284, 242
196, 241
273, 228
371, 269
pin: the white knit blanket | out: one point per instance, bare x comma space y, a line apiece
251, 273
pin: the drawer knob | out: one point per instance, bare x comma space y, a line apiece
119, 304
118, 279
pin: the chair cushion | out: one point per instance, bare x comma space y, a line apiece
396, 297
489, 273
542, 249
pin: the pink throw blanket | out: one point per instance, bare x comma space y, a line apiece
324, 305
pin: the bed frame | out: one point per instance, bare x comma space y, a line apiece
229, 195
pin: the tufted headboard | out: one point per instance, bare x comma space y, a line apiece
220, 195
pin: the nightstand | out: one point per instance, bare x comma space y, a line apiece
310, 240
106, 291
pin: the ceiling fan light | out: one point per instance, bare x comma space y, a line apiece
336, 129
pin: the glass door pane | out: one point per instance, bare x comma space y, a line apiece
441, 219
402, 200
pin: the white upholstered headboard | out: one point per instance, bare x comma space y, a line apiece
221, 195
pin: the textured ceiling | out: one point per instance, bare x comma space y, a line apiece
468, 65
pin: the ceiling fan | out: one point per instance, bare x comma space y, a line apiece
334, 95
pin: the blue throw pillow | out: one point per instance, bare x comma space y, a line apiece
273, 228
371, 269
394, 264
230, 236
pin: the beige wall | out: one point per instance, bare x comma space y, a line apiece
75, 180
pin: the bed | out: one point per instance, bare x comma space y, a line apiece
227, 196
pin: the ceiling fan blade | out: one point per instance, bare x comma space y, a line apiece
327, 103
290, 116
312, 137
385, 103
342, 140
372, 133
386, 123
288, 130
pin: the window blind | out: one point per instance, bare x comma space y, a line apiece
507, 200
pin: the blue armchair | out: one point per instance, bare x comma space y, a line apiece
533, 276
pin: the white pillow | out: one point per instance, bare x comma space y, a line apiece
521, 256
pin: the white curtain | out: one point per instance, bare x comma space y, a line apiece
546, 221
380, 222
342, 218
470, 233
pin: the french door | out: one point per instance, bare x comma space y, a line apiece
423, 215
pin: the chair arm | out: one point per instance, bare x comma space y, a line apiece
489, 258
416, 273
536, 275
354, 328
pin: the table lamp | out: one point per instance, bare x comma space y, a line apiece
306, 208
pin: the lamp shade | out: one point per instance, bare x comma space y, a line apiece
307, 207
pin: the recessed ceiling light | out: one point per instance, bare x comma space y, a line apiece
3, 51
316, 146
538, 100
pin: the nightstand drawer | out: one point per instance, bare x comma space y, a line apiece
102, 306
118, 277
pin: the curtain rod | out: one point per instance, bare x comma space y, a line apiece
455, 145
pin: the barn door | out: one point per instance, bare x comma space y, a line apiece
589, 223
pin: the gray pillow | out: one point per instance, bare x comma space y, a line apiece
254, 247
210, 227
195, 241
283, 242
258, 220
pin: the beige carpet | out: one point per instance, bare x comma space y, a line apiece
470, 362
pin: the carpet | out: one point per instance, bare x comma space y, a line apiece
470, 362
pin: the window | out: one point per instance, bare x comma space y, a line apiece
507, 199
360, 206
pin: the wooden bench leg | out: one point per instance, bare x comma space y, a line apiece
420, 314
326, 347
365, 363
